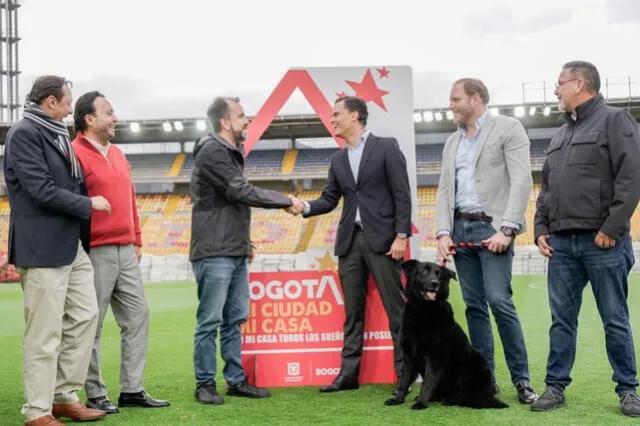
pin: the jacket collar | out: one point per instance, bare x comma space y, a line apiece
585, 109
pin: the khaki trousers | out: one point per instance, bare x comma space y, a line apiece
118, 282
61, 317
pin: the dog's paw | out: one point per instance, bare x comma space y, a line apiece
419, 406
394, 401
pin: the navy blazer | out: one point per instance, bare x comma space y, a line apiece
382, 193
50, 212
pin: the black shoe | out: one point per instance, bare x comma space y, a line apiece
630, 404
341, 383
140, 399
550, 399
247, 390
101, 403
208, 394
526, 394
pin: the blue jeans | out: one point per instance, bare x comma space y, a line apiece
575, 260
223, 295
485, 280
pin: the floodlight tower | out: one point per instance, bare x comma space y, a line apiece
9, 71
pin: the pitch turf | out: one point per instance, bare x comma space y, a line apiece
169, 374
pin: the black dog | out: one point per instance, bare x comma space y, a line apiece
437, 348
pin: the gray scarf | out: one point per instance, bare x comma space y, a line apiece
38, 116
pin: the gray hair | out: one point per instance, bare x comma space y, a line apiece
218, 110
588, 72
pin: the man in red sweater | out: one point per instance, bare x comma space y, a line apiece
115, 254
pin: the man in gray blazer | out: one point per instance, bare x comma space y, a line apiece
485, 184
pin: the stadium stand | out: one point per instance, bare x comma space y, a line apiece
283, 240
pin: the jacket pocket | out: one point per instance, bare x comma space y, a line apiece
583, 149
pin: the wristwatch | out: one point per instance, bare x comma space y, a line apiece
402, 235
508, 232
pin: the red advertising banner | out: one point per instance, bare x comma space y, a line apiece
294, 337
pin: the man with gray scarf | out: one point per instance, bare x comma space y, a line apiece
48, 243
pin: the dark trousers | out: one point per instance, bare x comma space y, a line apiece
577, 260
354, 269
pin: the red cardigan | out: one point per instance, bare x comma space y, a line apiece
111, 178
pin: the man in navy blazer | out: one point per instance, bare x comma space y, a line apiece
371, 175
48, 243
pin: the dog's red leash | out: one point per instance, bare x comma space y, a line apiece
464, 245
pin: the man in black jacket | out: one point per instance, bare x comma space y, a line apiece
48, 243
221, 248
590, 189
371, 175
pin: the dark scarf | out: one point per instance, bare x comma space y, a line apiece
39, 117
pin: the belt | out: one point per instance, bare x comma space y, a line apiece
480, 217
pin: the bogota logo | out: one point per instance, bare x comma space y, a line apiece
312, 288
293, 368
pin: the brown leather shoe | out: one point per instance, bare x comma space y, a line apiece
77, 411
44, 420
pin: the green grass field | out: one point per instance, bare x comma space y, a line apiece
169, 375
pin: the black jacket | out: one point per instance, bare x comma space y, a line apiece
382, 193
221, 200
50, 212
591, 176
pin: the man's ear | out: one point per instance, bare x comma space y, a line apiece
409, 266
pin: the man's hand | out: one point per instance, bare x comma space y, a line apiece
297, 207
138, 250
498, 243
444, 251
604, 241
544, 248
252, 254
100, 203
398, 248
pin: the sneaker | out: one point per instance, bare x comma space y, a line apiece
526, 394
207, 394
630, 404
550, 399
247, 390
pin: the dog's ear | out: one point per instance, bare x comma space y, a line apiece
451, 274
409, 266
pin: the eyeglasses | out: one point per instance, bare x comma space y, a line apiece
561, 82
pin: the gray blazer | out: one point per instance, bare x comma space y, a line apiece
503, 173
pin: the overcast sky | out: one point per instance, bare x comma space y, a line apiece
164, 59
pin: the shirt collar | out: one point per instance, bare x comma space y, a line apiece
479, 122
361, 141
103, 149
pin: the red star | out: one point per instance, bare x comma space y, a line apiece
341, 94
384, 72
368, 91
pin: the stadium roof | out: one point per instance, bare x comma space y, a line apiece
427, 120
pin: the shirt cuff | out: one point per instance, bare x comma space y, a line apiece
443, 232
307, 207
510, 224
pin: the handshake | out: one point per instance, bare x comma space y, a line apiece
297, 207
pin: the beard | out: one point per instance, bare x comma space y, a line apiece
561, 106
240, 135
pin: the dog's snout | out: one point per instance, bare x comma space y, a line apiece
435, 282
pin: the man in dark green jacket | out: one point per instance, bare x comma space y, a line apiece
221, 248
590, 189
